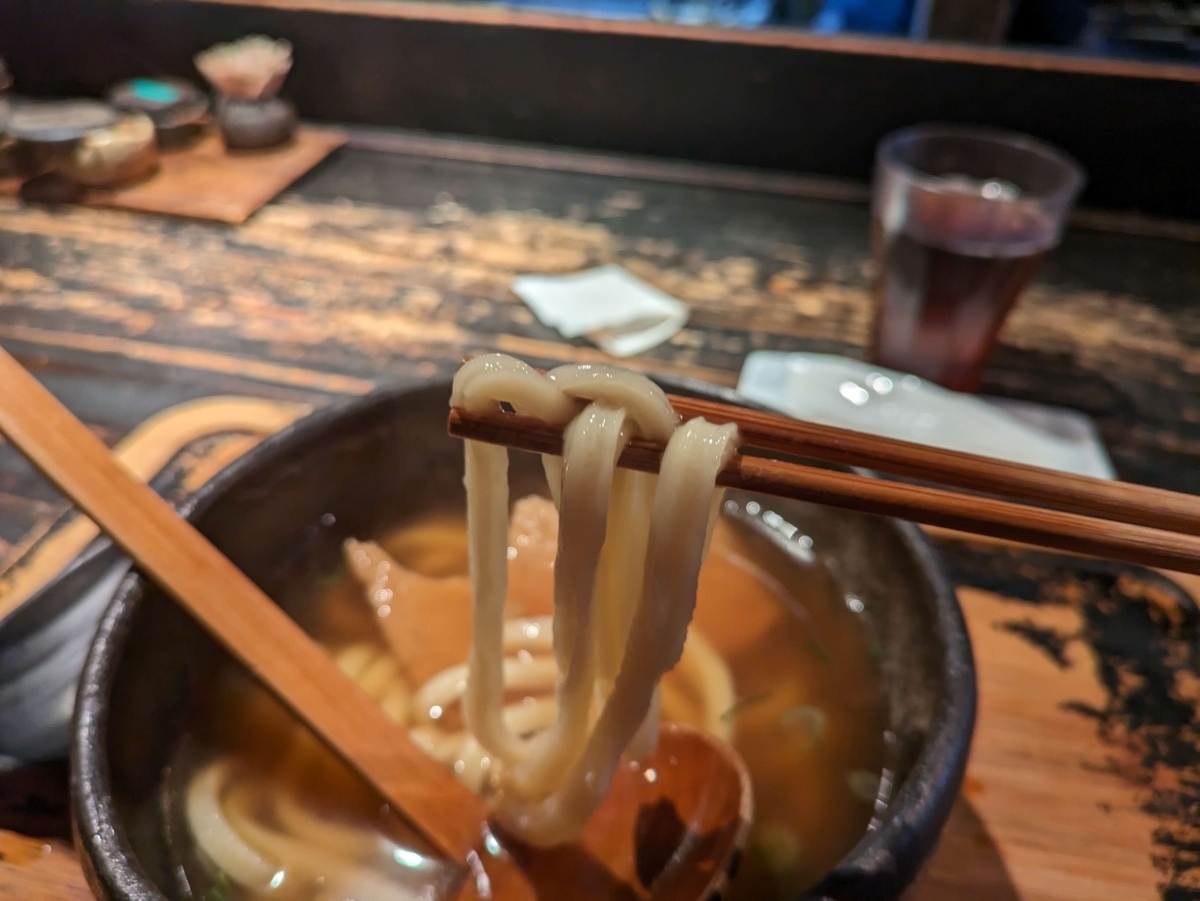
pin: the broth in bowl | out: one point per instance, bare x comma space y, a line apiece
779, 662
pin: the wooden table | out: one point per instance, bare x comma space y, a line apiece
1084, 782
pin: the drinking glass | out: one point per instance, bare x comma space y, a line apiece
961, 218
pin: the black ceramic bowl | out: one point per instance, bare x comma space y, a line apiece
359, 468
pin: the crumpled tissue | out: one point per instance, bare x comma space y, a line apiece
610, 305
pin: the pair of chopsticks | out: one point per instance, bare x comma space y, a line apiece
1114, 520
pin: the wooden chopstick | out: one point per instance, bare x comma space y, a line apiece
1118, 501
1132, 543
236, 612
1101, 498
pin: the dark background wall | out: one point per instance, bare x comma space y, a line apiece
780, 100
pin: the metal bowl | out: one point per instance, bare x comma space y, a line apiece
360, 468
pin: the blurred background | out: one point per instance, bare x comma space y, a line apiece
969, 223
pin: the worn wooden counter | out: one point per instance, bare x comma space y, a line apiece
1085, 778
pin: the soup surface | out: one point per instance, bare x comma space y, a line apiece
806, 713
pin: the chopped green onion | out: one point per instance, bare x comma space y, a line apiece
864, 785
811, 720
742, 703
819, 652
781, 850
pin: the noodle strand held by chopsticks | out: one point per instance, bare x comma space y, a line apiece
679, 524
637, 633
594, 440
619, 578
487, 528
481, 385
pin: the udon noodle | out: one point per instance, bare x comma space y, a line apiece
626, 563
629, 553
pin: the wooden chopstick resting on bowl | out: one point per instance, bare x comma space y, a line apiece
1126, 522
235, 612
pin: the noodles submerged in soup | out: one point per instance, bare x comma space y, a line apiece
531, 673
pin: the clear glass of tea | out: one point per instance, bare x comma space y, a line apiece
961, 218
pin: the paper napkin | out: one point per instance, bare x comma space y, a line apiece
610, 305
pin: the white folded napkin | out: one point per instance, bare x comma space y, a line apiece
611, 306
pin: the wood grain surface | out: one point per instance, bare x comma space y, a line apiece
241, 422
1084, 780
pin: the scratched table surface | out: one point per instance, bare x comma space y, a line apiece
1084, 783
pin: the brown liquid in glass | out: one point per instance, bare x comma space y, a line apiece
946, 279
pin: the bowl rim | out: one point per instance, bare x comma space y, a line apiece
883, 862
